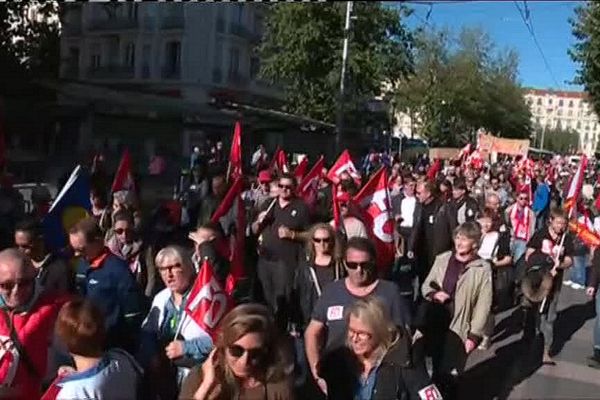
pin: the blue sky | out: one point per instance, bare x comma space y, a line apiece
501, 19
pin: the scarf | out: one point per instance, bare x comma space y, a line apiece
520, 223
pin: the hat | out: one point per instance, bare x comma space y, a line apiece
264, 176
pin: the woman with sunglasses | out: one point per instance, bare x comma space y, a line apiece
171, 343
248, 362
377, 363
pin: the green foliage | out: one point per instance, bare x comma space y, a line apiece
302, 50
560, 140
462, 83
586, 50
29, 47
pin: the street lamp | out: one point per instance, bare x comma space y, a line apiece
340, 111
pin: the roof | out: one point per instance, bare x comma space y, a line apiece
557, 93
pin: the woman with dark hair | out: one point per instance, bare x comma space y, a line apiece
248, 361
98, 374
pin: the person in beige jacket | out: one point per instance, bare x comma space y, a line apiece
458, 299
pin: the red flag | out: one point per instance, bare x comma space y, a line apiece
124, 175
279, 161
235, 155
374, 200
309, 186
301, 168
434, 169
575, 184
583, 232
343, 164
207, 302
464, 153
237, 239
337, 217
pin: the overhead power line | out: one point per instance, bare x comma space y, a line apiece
526, 17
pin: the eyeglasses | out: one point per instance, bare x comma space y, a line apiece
361, 335
322, 240
523, 198
364, 265
120, 231
9, 286
285, 187
237, 351
174, 269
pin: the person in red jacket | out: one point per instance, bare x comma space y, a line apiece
26, 321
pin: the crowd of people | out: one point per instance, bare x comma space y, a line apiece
316, 316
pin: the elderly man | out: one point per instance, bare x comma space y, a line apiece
26, 326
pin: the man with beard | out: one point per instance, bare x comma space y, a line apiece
460, 209
420, 244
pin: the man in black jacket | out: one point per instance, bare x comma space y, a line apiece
420, 244
462, 208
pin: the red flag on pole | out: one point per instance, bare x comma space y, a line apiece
434, 169
301, 168
343, 164
584, 232
374, 200
235, 156
575, 185
279, 162
124, 175
237, 239
309, 187
207, 302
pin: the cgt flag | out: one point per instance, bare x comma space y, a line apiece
301, 168
343, 164
374, 201
575, 184
70, 206
309, 186
207, 302
124, 175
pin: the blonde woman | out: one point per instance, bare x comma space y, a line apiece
247, 363
377, 364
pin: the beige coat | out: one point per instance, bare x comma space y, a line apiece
473, 295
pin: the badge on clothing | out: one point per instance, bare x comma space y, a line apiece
294, 212
431, 219
335, 313
430, 392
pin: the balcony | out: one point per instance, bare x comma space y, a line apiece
111, 72
217, 75
112, 24
172, 72
173, 21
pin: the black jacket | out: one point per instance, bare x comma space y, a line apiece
305, 293
448, 221
397, 377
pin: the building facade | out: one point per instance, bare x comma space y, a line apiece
565, 110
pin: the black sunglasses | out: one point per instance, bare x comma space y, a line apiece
322, 240
120, 231
364, 265
237, 351
289, 187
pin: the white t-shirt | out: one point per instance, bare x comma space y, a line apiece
407, 211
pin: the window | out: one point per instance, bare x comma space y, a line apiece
570, 103
234, 61
239, 13
254, 67
539, 101
550, 101
129, 55
172, 59
95, 56
538, 110
559, 112
570, 113
578, 124
560, 103
132, 11
146, 54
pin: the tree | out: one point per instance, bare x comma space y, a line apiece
586, 51
560, 140
29, 44
302, 50
462, 83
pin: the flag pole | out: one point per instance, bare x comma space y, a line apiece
228, 171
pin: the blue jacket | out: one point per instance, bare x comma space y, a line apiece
541, 198
109, 283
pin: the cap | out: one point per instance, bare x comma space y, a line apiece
264, 176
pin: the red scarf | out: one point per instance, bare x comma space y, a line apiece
520, 223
